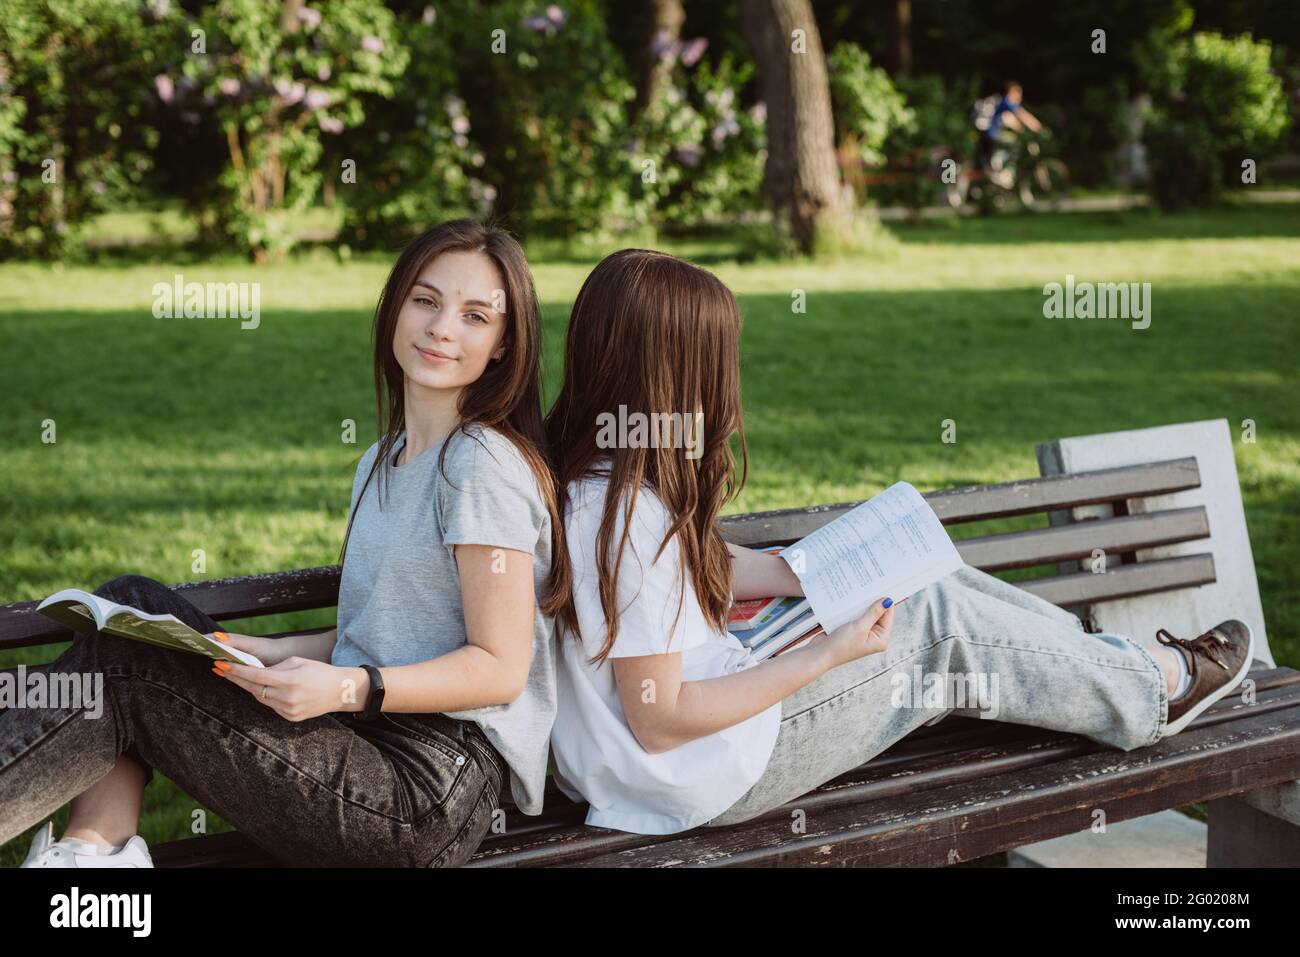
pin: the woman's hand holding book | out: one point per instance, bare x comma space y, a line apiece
867, 635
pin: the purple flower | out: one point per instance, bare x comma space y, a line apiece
664, 46
372, 44
316, 99
429, 16
98, 188
309, 16
10, 176
689, 155
163, 84
693, 50
555, 15
323, 73
330, 124
728, 127
228, 86
537, 24
460, 125
293, 92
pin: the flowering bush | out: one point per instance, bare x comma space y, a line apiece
278, 78
711, 149
547, 97
415, 161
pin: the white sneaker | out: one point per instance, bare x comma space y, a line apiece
73, 852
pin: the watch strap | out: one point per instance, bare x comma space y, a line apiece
375, 699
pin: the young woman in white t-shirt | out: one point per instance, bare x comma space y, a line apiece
664, 720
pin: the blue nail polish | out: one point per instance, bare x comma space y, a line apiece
888, 601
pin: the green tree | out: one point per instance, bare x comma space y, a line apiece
1215, 102
72, 139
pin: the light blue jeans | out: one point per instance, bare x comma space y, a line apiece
972, 644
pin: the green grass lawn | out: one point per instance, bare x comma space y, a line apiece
183, 434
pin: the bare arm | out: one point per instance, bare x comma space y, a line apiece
317, 647
272, 651
497, 593
491, 668
664, 712
760, 575
1029, 120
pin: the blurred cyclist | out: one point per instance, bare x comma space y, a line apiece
992, 115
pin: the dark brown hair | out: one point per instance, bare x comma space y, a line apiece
657, 335
506, 397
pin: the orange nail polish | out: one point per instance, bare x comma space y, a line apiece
222, 666
221, 636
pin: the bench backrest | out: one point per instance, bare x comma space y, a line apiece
1119, 575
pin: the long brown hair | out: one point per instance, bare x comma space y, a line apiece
506, 397
654, 334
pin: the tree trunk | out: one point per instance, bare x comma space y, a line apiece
801, 180
900, 37
662, 22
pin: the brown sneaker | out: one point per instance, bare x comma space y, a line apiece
1218, 660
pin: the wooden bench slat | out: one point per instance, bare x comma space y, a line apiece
247, 596
1040, 546
982, 502
1124, 581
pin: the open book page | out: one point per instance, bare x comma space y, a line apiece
891, 545
76, 608
79, 610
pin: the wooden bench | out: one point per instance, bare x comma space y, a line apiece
953, 791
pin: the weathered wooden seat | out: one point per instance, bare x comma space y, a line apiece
957, 790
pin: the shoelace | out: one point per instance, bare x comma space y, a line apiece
1205, 644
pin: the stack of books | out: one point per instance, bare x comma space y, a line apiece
769, 626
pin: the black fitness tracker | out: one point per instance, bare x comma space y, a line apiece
375, 700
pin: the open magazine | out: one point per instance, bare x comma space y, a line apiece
891, 545
83, 611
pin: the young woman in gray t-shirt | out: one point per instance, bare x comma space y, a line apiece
389, 739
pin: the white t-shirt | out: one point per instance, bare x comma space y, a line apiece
597, 758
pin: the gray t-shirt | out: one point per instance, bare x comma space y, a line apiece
399, 598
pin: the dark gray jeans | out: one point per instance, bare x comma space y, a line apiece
407, 790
